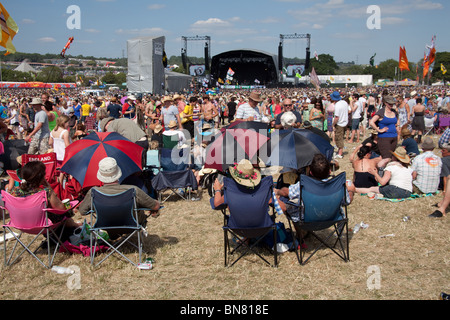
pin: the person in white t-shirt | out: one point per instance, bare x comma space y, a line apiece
357, 109
340, 121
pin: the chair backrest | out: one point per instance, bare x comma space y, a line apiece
116, 210
429, 122
170, 141
26, 212
249, 208
49, 159
174, 159
322, 200
444, 121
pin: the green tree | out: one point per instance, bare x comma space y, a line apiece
324, 66
50, 74
437, 74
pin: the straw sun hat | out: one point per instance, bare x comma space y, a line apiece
245, 174
401, 155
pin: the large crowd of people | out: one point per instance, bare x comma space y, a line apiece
393, 154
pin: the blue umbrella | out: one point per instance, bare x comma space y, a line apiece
323, 145
293, 151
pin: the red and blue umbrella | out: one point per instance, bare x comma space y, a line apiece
82, 156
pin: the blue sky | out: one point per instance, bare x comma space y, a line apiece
337, 27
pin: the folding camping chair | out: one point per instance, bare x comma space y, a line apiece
29, 215
117, 213
444, 122
175, 174
248, 218
429, 125
323, 204
49, 159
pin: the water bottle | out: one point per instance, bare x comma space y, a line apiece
62, 270
356, 228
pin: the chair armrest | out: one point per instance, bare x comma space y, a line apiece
145, 209
73, 204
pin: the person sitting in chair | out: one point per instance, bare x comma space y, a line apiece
246, 176
33, 174
320, 169
109, 174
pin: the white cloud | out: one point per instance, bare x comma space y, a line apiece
156, 6
46, 39
392, 20
28, 21
92, 30
211, 23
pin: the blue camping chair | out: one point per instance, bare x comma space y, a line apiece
174, 174
248, 218
115, 213
323, 204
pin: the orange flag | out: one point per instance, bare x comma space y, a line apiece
403, 60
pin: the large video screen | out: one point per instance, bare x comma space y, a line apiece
197, 70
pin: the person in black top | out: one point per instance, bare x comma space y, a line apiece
114, 109
231, 109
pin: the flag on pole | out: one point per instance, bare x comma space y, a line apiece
443, 69
314, 78
9, 30
316, 56
403, 60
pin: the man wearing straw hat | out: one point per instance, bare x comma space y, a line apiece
38, 138
249, 111
169, 112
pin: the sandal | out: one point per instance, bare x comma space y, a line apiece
436, 214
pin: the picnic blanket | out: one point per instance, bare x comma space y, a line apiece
81, 248
412, 197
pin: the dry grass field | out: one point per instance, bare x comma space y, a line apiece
186, 242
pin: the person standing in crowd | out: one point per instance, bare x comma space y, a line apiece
114, 109
85, 110
317, 115
128, 108
386, 123
357, 110
38, 138
210, 111
128, 129
340, 121
59, 138
231, 109
288, 107
418, 122
249, 111
169, 112
77, 109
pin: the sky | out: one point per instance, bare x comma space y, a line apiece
348, 30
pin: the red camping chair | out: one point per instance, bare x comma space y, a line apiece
49, 159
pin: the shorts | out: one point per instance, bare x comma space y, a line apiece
38, 145
355, 124
339, 136
386, 145
393, 192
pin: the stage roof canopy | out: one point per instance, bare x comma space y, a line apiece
249, 67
